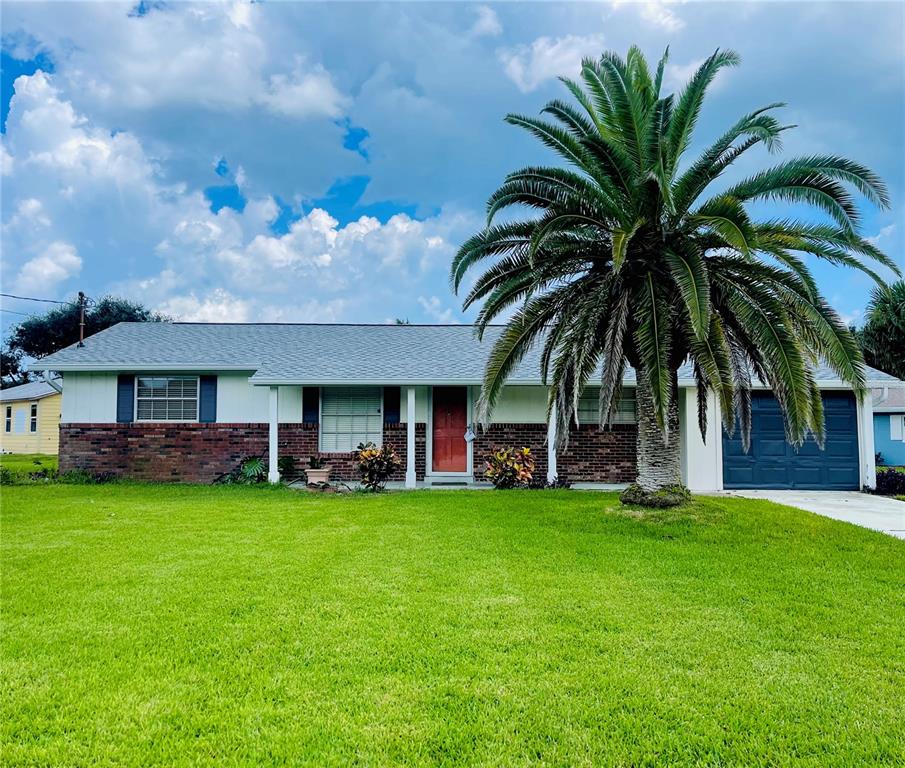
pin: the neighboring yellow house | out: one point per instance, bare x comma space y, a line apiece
31, 418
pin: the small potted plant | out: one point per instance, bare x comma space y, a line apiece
318, 473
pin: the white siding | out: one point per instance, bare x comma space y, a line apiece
290, 405
89, 398
519, 405
420, 405
702, 460
238, 402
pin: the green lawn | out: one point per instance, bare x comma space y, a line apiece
177, 626
25, 462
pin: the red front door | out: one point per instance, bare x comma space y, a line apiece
450, 422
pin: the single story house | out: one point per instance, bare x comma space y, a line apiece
186, 401
889, 425
31, 418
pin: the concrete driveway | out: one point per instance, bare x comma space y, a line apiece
875, 512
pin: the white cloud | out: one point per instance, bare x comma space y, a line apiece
657, 13
487, 24
217, 307
304, 93
322, 253
240, 14
153, 239
6, 161
529, 66
29, 212
661, 15
221, 306
58, 262
884, 234
209, 55
435, 310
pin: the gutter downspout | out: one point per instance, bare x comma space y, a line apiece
52, 383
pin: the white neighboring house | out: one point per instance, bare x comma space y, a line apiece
186, 401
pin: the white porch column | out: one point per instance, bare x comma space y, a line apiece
866, 445
551, 448
410, 475
273, 472
702, 458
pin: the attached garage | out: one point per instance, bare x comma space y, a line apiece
772, 463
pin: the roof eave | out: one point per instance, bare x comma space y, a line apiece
128, 367
28, 399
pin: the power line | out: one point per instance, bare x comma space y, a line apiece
32, 298
13, 312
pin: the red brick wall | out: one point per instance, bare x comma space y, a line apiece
300, 440
196, 453
593, 456
189, 453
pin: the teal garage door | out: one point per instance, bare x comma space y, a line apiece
774, 464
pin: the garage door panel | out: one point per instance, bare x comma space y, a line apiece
733, 448
772, 422
837, 422
841, 448
849, 477
803, 475
771, 474
771, 447
773, 463
741, 476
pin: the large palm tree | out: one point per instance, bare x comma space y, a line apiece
626, 262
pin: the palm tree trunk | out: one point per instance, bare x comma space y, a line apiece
659, 454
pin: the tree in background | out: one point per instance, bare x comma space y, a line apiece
57, 328
883, 335
633, 259
11, 373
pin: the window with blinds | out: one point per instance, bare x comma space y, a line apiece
349, 416
589, 407
166, 398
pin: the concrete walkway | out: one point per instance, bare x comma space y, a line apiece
878, 513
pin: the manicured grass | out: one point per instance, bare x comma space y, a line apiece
25, 462
176, 626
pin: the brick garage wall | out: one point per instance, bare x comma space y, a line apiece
600, 456
593, 456
199, 453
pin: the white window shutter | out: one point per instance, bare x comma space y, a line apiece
896, 427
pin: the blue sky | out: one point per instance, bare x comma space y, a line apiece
321, 162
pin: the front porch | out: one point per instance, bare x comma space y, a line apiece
432, 429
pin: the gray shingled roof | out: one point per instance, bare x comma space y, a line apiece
310, 353
34, 390
889, 400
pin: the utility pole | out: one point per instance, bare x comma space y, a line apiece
81, 318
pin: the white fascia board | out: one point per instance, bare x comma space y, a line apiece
260, 382
131, 368
27, 399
